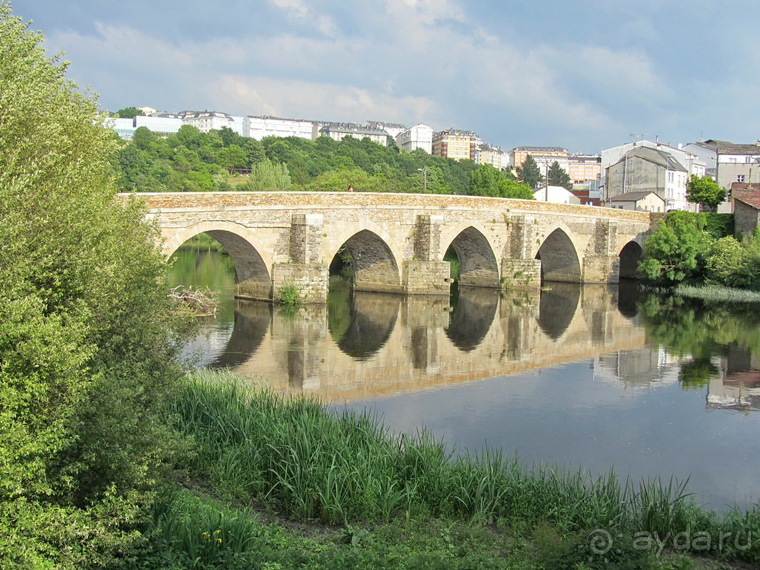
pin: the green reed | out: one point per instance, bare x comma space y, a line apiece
340, 466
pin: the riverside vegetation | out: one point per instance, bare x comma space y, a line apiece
110, 457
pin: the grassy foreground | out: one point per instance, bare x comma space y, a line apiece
400, 502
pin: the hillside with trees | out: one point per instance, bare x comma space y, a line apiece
194, 161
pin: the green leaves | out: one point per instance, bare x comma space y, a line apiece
704, 191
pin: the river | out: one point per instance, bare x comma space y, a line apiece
580, 377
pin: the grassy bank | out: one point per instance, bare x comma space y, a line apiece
364, 485
718, 293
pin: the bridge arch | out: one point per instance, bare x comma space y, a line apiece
630, 256
559, 257
373, 264
478, 266
252, 271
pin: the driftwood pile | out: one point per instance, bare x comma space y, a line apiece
200, 303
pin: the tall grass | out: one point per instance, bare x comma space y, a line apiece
301, 459
718, 293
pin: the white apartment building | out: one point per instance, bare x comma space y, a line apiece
258, 127
418, 136
161, 125
393, 129
206, 121
493, 155
339, 131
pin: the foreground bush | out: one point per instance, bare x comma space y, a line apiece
85, 344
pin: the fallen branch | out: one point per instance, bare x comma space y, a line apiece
200, 303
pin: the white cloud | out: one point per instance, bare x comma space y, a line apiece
313, 100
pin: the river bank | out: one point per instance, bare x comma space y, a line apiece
386, 500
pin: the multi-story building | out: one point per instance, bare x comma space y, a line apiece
691, 161
393, 129
418, 136
584, 167
258, 127
544, 156
162, 125
339, 131
494, 156
125, 128
649, 169
206, 121
456, 144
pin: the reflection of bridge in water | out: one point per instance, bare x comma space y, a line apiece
387, 344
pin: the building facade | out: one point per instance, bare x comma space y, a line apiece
339, 131
544, 156
456, 144
258, 127
494, 156
645, 169
206, 121
418, 136
584, 167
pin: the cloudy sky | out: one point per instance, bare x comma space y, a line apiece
583, 74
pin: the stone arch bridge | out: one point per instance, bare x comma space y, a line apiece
396, 242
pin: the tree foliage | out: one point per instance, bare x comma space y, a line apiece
557, 176
529, 173
673, 252
705, 192
85, 351
486, 180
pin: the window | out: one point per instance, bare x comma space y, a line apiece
740, 178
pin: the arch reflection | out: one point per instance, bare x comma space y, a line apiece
472, 315
252, 321
557, 307
359, 322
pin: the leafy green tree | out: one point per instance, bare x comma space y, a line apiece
86, 354
674, 251
513, 189
268, 175
129, 113
484, 181
529, 173
559, 177
705, 192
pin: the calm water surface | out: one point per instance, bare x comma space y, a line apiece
591, 377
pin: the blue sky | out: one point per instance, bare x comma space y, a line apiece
583, 74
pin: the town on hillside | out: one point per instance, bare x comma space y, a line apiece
641, 175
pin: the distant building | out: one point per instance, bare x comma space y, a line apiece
544, 156
736, 162
645, 201
689, 160
393, 129
494, 156
339, 131
418, 136
206, 121
746, 207
649, 169
258, 127
456, 144
162, 125
556, 195
584, 167
125, 128
148, 111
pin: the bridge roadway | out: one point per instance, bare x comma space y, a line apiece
396, 242
415, 343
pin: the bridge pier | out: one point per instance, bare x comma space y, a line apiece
424, 275
304, 269
601, 263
